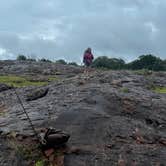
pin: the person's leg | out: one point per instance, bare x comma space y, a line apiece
88, 70
85, 70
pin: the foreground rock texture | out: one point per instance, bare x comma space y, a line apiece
112, 116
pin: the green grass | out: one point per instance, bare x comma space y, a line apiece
125, 90
50, 79
2, 114
40, 163
160, 89
27, 151
144, 72
18, 81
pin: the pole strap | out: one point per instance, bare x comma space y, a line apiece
24, 110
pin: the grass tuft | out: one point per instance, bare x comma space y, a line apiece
40, 163
160, 89
50, 79
144, 72
125, 90
18, 81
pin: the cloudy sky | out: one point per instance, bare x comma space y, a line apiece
62, 29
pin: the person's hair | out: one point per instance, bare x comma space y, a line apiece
88, 50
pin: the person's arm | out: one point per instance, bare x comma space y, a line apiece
92, 57
84, 58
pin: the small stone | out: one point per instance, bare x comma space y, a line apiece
163, 141
59, 160
121, 162
49, 152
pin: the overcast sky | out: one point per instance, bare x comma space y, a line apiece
63, 29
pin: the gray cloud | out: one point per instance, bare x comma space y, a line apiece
63, 29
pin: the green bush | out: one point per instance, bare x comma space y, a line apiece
31, 60
21, 57
109, 63
144, 62
73, 63
149, 62
125, 90
144, 72
61, 61
45, 60
160, 89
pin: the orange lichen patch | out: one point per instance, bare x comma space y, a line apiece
49, 152
59, 160
138, 136
55, 156
129, 105
121, 161
163, 141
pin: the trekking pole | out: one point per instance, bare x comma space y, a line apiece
30, 122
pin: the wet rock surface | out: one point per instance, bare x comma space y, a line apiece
112, 117
36, 94
4, 87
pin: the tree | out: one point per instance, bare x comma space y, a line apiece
116, 63
149, 62
73, 63
164, 64
21, 57
45, 60
61, 61
31, 58
101, 62
110, 63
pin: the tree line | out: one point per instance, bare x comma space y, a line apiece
60, 61
149, 62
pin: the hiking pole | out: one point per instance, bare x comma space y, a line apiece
30, 122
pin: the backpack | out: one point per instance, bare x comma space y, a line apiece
88, 57
55, 138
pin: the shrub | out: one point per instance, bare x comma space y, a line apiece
109, 63
21, 57
143, 62
160, 90
45, 60
144, 72
61, 61
125, 90
73, 63
31, 59
149, 62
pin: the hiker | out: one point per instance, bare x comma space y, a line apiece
88, 57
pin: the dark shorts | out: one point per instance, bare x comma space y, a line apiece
87, 64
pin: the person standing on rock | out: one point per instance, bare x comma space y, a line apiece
87, 60
88, 57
